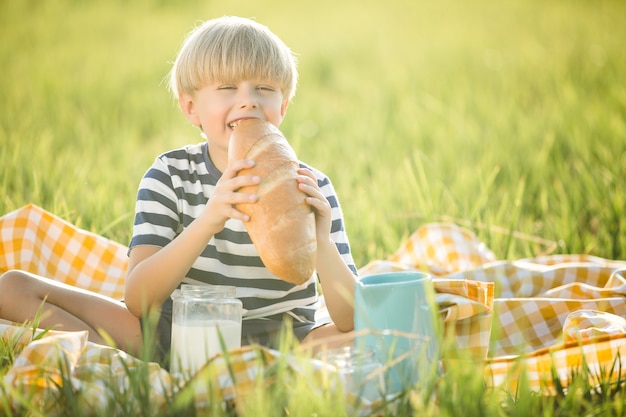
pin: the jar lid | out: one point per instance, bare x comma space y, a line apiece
348, 356
208, 291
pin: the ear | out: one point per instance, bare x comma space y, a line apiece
283, 107
188, 107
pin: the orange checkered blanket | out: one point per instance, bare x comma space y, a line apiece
558, 311
547, 311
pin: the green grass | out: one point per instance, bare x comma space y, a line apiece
505, 115
417, 111
284, 390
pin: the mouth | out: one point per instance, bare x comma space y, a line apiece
235, 123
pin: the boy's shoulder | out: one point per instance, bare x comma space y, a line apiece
185, 152
189, 158
318, 174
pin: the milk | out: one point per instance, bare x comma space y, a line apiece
195, 342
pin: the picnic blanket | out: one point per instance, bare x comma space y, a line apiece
562, 311
557, 312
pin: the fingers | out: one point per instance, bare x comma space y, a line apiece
307, 183
231, 178
226, 194
233, 168
242, 181
307, 173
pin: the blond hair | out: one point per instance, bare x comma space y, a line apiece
230, 49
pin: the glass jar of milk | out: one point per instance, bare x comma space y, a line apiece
359, 371
206, 319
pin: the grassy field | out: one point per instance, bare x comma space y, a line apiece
504, 115
509, 114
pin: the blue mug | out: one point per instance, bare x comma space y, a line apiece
400, 313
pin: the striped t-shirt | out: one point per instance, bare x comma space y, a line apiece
175, 190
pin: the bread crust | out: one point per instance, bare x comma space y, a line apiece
282, 224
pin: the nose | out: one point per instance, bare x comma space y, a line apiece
247, 98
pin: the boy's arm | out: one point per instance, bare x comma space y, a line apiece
154, 272
337, 282
335, 276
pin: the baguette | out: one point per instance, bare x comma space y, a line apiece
282, 224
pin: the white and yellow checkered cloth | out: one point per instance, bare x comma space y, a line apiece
550, 311
37, 241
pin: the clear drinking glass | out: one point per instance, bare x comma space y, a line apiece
205, 318
359, 370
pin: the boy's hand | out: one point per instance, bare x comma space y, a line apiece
307, 183
221, 206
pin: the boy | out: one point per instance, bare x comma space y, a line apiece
186, 228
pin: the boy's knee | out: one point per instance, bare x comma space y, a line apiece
8, 281
16, 289
12, 282
12, 277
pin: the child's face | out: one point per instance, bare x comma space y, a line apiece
218, 107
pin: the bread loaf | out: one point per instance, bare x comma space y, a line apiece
281, 225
